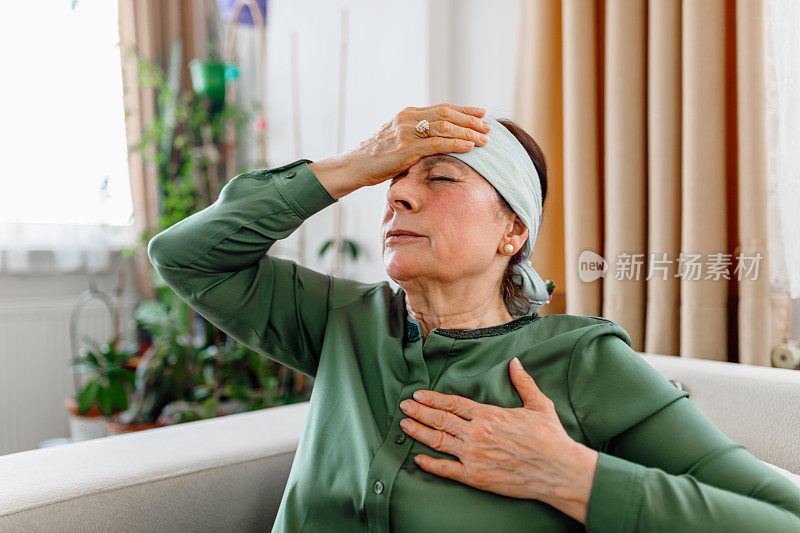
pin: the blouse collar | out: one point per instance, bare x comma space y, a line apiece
414, 329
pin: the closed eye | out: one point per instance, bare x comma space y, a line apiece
432, 178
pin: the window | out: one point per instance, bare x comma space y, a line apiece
782, 64
65, 156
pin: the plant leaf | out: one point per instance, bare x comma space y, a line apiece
87, 396
104, 401
117, 397
353, 248
325, 247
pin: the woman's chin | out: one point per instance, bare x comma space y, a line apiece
400, 270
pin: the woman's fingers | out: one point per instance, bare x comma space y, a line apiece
447, 113
443, 128
461, 119
444, 145
451, 130
452, 123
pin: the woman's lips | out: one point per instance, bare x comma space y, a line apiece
401, 237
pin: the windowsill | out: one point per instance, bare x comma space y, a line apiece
48, 249
14, 235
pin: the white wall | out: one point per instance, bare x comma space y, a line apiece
410, 53
481, 54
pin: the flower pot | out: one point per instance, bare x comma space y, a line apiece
209, 78
115, 427
230, 407
91, 425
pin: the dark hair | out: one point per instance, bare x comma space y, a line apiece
515, 301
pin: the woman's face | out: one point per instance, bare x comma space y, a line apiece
455, 210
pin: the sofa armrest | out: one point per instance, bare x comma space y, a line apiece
222, 474
755, 406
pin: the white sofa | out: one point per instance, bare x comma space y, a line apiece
228, 474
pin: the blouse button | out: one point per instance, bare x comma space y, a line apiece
378, 487
399, 438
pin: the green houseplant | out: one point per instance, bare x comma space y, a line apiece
185, 141
105, 393
184, 377
191, 370
210, 76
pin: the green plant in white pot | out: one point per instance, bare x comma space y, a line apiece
110, 377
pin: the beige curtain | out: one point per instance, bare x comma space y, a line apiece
151, 26
651, 117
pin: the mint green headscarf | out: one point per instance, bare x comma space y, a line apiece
505, 163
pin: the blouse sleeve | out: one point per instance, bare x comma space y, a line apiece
663, 465
216, 260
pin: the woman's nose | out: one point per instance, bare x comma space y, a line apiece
402, 197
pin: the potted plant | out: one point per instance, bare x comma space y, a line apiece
209, 76
184, 377
111, 378
230, 379
131, 419
165, 370
191, 370
185, 141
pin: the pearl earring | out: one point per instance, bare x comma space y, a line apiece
508, 248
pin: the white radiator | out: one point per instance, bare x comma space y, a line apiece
35, 370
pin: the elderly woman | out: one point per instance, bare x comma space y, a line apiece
450, 404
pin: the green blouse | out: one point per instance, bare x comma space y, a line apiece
663, 466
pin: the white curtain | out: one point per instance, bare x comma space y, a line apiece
28, 248
783, 141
